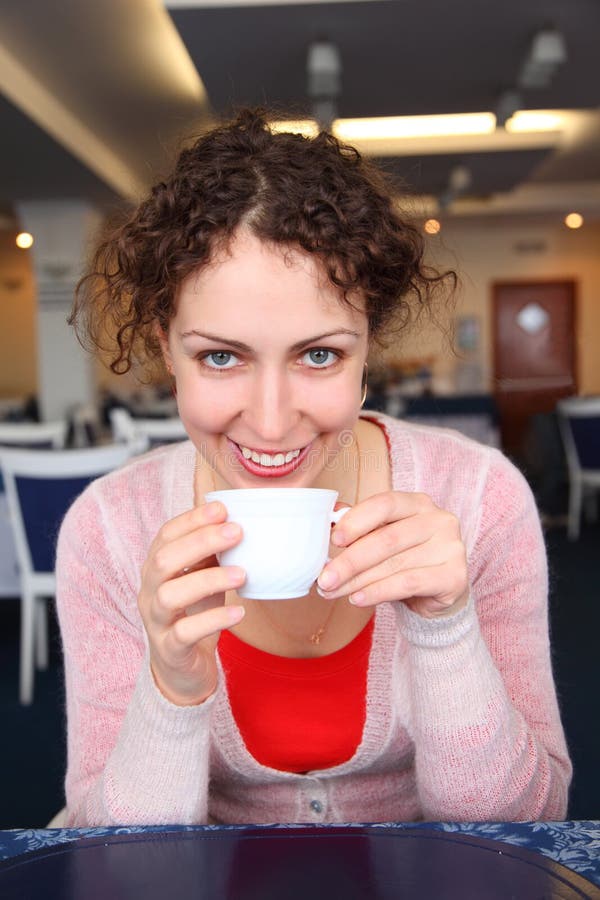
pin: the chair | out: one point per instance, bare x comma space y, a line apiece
21, 434
40, 486
579, 423
154, 431
41, 435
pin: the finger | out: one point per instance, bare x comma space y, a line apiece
187, 592
412, 559
434, 551
379, 510
191, 519
441, 584
193, 550
187, 631
383, 546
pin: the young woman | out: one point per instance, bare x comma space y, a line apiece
414, 680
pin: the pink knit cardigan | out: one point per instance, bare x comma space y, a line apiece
462, 721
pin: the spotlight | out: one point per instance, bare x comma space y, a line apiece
432, 226
24, 240
574, 220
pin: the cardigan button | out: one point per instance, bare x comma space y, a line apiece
316, 806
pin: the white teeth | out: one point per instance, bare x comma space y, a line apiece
266, 459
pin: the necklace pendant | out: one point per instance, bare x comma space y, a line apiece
316, 637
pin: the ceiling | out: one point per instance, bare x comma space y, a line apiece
95, 96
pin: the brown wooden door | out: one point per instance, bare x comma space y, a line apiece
534, 353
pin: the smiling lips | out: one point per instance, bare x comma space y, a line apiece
269, 465
267, 459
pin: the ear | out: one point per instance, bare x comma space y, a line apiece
163, 340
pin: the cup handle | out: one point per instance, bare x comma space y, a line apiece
337, 514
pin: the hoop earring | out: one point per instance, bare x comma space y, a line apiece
172, 381
364, 386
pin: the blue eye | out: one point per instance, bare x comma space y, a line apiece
220, 359
320, 357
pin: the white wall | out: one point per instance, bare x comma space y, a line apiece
61, 231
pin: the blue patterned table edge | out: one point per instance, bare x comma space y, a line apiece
575, 845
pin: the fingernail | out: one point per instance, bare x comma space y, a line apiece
214, 509
236, 614
358, 598
338, 538
235, 575
327, 580
230, 530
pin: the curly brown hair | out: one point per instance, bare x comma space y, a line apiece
316, 194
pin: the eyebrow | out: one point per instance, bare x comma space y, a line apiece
238, 345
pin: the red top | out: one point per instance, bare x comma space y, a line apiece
298, 715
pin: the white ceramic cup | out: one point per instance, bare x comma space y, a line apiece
285, 539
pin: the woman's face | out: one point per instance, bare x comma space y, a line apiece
268, 364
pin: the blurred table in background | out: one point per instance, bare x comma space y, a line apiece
474, 415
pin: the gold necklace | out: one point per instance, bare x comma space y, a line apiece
315, 637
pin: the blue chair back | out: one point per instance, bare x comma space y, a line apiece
32, 436
586, 437
41, 486
44, 503
46, 445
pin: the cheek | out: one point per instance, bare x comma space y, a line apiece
339, 414
335, 418
201, 415
206, 407
338, 403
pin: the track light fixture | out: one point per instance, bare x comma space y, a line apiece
548, 51
508, 103
324, 81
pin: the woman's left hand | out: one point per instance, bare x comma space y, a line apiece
399, 546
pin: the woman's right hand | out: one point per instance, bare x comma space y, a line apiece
182, 601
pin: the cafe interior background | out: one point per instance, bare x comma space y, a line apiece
488, 116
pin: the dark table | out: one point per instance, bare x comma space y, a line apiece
522, 861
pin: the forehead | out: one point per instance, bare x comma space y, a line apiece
253, 278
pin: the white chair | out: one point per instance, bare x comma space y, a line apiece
154, 432
579, 423
40, 487
21, 434
39, 435
121, 424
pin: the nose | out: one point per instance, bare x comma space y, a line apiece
272, 411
